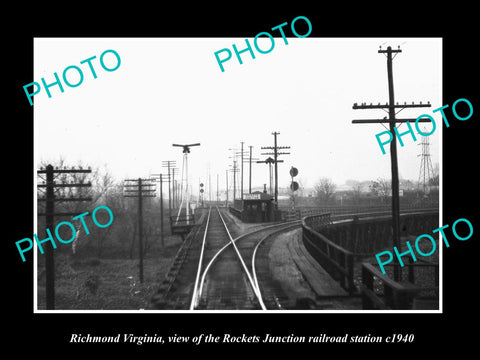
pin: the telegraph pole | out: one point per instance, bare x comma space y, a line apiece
250, 171
393, 145
173, 172
161, 178
139, 188
169, 164
161, 213
275, 154
241, 179
50, 186
235, 170
250, 159
226, 182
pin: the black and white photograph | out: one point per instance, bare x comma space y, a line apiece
218, 181
265, 193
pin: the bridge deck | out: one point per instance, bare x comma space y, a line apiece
320, 281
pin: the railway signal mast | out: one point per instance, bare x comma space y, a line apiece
184, 183
269, 161
293, 185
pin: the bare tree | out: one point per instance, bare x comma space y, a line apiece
381, 188
302, 184
324, 190
356, 191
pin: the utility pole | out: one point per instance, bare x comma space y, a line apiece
393, 145
161, 178
241, 179
169, 164
235, 170
174, 171
226, 182
275, 154
250, 159
175, 187
250, 171
50, 187
139, 188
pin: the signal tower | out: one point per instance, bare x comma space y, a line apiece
185, 199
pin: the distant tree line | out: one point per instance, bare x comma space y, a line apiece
369, 193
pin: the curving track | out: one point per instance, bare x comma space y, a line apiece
231, 273
223, 280
226, 275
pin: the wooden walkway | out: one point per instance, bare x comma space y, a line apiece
320, 281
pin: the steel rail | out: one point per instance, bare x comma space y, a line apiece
198, 290
250, 279
232, 242
254, 272
193, 304
207, 268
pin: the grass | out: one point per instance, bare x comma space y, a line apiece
90, 283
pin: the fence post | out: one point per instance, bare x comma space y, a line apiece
351, 285
367, 280
342, 262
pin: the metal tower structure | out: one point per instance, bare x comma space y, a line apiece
185, 196
426, 168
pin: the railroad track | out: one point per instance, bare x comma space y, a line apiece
227, 276
230, 273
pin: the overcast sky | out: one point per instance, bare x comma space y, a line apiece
171, 90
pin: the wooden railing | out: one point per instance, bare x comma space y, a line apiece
379, 291
339, 246
337, 261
